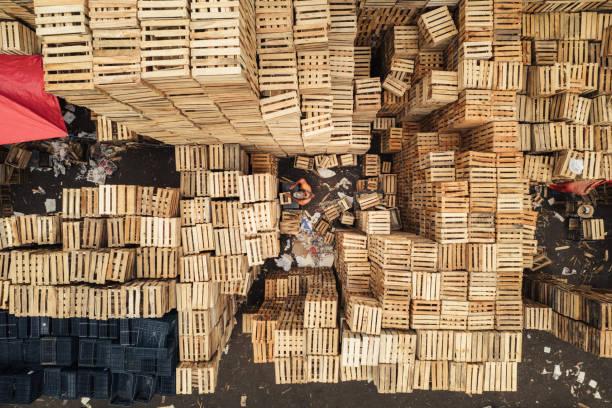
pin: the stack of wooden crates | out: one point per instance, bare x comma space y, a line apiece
576, 314
110, 236
229, 227
296, 326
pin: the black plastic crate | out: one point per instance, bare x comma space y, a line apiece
87, 352
48, 351
20, 387
60, 327
69, 384
15, 351
85, 384
103, 352
4, 358
11, 327
3, 323
52, 382
93, 328
166, 385
6, 389
108, 329
66, 351
144, 388
45, 326
75, 327
101, 384
31, 351
27, 387
126, 335
23, 327
122, 389
117, 358
151, 332
35, 327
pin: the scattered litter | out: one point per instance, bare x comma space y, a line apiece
96, 175
85, 402
87, 135
547, 349
348, 198
39, 190
581, 405
551, 200
566, 271
18, 213
576, 166
344, 183
562, 248
226, 349
287, 390
326, 173
559, 217
557, 372
167, 406
287, 245
69, 107
304, 261
315, 217
243, 400
69, 117
593, 384
580, 377
284, 262
596, 395
529, 336
544, 371
50, 205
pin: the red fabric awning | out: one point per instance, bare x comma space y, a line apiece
27, 112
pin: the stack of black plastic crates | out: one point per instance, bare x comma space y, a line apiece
122, 360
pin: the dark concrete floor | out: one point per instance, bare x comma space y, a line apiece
238, 376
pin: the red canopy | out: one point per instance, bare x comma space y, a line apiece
27, 112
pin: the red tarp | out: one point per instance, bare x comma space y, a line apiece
27, 112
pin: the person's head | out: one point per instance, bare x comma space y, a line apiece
300, 195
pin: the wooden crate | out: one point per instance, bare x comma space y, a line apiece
537, 316
160, 232
323, 369
436, 28
67, 61
481, 226
508, 315
374, 222
290, 370
159, 263
320, 308
61, 17
17, 39
425, 285
593, 229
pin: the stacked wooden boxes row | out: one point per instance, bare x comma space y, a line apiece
73, 72
229, 227
110, 235
146, 64
296, 326
579, 315
314, 69
345, 136
375, 195
278, 74
564, 103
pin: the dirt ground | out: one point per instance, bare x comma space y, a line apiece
239, 376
